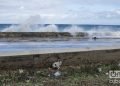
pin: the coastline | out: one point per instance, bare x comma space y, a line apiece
72, 58
41, 58
56, 50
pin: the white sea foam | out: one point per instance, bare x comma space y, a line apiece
30, 26
74, 29
101, 32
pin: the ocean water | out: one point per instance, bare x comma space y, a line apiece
88, 43
111, 31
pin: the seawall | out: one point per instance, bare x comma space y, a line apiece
40, 34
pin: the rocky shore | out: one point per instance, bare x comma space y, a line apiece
40, 34
33, 34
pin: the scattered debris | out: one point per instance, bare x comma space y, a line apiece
21, 71
100, 69
38, 72
27, 81
106, 73
119, 64
57, 64
54, 69
96, 75
57, 74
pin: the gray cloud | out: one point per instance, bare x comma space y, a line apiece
61, 11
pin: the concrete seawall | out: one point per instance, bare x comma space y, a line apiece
40, 34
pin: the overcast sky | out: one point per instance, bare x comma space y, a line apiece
61, 11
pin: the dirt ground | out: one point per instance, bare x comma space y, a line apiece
78, 69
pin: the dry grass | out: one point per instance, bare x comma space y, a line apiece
71, 76
78, 68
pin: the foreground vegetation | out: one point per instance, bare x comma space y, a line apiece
89, 75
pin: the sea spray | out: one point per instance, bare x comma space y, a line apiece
30, 25
74, 29
26, 26
48, 28
103, 32
36, 24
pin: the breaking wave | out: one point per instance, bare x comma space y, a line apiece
30, 26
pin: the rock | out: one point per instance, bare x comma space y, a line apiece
119, 64
57, 64
57, 74
106, 73
100, 69
21, 71
24, 35
34, 34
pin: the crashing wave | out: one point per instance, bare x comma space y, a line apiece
30, 26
